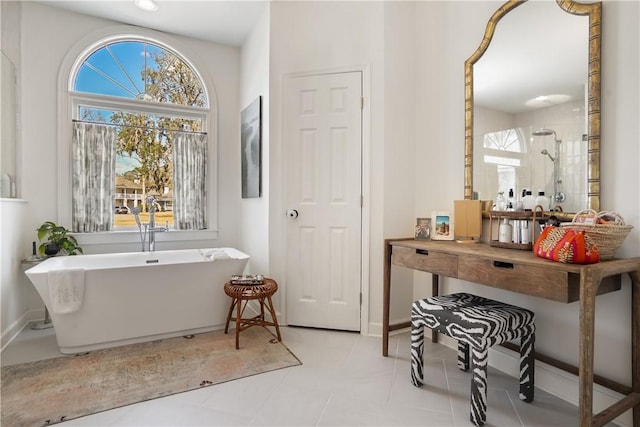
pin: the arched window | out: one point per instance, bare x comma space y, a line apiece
140, 70
139, 139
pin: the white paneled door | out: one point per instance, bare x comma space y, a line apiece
323, 152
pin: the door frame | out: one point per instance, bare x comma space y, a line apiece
365, 182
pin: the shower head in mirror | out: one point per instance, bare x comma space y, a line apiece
546, 153
546, 132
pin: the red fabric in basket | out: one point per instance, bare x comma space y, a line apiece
566, 245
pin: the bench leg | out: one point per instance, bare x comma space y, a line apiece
417, 353
463, 356
527, 366
479, 358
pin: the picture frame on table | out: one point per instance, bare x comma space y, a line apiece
442, 226
423, 229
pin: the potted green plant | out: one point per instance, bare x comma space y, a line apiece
57, 239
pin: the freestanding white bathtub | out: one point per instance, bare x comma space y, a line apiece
141, 296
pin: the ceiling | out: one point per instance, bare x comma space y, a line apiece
538, 49
225, 22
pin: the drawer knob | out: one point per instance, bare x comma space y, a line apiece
422, 251
502, 264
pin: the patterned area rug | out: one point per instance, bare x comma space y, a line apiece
54, 390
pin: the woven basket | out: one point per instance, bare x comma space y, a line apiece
607, 237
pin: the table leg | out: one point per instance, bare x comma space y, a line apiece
635, 341
435, 290
386, 296
588, 290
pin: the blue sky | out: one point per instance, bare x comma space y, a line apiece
123, 62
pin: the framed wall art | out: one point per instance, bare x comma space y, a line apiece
442, 226
250, 143
423, 229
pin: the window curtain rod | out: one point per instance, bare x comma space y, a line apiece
138, 127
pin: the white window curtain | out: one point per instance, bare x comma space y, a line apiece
94, 168
189, 181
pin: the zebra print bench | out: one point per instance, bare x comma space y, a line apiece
476, 323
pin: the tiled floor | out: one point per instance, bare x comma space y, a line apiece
343, 381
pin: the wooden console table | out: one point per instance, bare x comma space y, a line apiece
523, 272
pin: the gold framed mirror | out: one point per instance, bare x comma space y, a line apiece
544, 143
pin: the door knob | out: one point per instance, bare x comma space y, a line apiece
292, 213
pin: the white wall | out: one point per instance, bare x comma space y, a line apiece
400, 164
13, 308
253, 234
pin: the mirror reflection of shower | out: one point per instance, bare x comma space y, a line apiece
558, 196
545, 152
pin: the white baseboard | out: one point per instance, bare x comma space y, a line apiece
554, 381
11, 332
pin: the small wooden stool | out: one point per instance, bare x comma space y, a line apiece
240, 293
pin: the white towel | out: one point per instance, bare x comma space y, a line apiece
214, 254
66, 290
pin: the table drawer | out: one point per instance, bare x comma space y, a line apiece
526, 279
425, 260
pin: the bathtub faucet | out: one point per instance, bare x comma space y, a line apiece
149, 228
152, 236
152, 229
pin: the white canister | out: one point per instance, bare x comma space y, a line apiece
528, 201
505, 232
515, 231
524, 232
542, 200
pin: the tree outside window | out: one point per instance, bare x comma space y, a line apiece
149, 93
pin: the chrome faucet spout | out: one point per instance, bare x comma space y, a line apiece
150, 227
152, 235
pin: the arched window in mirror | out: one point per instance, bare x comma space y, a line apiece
503, 153
140, 118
